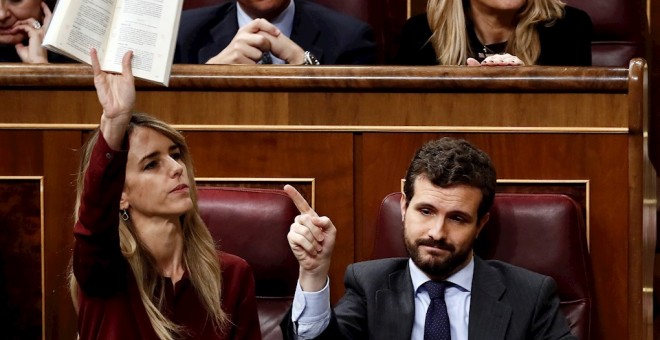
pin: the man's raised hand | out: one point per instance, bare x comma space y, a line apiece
312, 240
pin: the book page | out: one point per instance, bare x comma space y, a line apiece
79, 25
149, 29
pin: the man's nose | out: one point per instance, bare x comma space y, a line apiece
438, 229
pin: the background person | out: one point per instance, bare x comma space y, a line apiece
144, 263
23, 25
469, 32
277, 31
448, 192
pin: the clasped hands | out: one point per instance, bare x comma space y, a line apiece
253, 40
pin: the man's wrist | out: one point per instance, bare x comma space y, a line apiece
312, 282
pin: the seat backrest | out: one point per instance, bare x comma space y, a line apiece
541, 232
619, 30
253, 224
356, 8
189, 4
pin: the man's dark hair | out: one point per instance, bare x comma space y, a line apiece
447, 162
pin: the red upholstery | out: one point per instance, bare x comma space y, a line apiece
188, 4
541, 232
619, 30
253, 223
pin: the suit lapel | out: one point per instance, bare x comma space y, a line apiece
221, 35
395, 308
305, 32
489, 317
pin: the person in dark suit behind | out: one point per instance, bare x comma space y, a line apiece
272, 31
492, 33
448, 192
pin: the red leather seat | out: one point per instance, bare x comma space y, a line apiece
253, 223
541, 232
619, 32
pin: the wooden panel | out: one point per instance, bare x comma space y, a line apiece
341, 111
60, 157
21, 286
51, 155
24, 158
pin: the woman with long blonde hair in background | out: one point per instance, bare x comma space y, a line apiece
497, 32
144, 264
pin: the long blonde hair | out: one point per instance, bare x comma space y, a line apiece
447, 20
199, 252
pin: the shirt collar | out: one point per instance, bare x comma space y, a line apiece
284, 21
462, 278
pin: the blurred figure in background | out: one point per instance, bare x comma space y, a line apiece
497, 32
273, 31
23, 25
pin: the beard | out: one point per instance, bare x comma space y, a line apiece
437, 267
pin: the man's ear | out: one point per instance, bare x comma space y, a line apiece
404, 206
123, 202
482, 223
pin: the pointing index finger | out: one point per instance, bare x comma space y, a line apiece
299, 201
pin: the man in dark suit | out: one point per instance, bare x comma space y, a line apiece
442, 289
278, 31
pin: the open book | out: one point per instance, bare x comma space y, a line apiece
147, 27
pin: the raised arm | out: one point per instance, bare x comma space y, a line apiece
97, 259
116, 93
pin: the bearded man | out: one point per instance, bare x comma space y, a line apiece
443, 290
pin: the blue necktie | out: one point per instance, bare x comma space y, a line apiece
436, 326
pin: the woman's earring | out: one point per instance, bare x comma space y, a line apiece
124, 215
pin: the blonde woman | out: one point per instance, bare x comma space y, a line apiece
144, 264
497, 32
